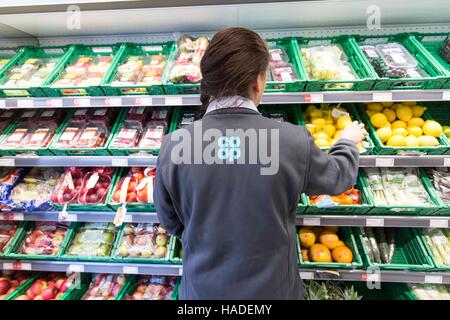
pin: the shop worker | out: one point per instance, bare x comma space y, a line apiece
229, 184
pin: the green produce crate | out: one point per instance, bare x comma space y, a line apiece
76, 51
289, 45
436, 77
437, 266
99, 151
15, 250
362, 208
364, 80
74, 228
16, 237
18, 291
433, 44
134, 49
409, 254
8, 131
133, 151
438, 111
382, 149
131, 206
425, 210
131, 288
115, 253
176, 252
387, 291
9, 57
345, 234
94, 207
302, 206
60, 53
355, 116
444, 208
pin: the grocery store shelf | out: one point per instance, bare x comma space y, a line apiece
373, 275
95, 267
374, 221
194, 99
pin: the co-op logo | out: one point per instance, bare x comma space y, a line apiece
230, 146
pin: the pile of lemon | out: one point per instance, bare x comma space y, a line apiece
401, 124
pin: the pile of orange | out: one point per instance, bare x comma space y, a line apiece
322, 244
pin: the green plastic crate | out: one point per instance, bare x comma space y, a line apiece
382, 149
134, 49
444, 208
438, 111
364, 80
60, 54
409, 254
362, 208
387, 291
437, 266
436, 77
12, 243
351, 109
346, 235
131, 288
94, 207
26, 284
176, 252
134, 151
9, 56
99, 151
425, 210
76, 52
433, 44
118, 258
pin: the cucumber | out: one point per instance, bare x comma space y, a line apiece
367, 244
373, 242
382, 245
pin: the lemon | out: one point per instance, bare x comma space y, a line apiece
329, 129
432, 128
418, 110
375, 107
412, 141
378, 120
390, 114
404, 113
321, 135
388, 124
415, 131
398, 124
343, 121
319, 122
322, 143
337, 134
396, 141
387, 104
311, 128
400, 131
370, 112
316, 113
384, 134
428, 141
416, 122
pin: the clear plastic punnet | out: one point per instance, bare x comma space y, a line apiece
151, 287
396, 55
45, 238
93, 240
104, 287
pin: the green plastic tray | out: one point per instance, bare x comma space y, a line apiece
133, 49
9, 128
437, 266
12, 243
76, 51
11, 55
345, 234
118, 258
364, 80
293, 112
131, 287
61, 53
436, 78
439, 111
387, 291
362, 208
382, 149
176, 251
425, 210
99, 151
14, 294
409, 254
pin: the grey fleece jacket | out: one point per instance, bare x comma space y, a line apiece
238, 226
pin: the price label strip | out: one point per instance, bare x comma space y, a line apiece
119, 162
306, 275
313, 98
75, 268
438, 223
7, 162
141, 101
433, 279
382, 96
17, 266
311, 221
374, 222
384, 162
174, 101
130, 270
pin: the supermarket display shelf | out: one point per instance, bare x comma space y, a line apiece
194, 99
373, 275
374, 221
148, 160
94, 267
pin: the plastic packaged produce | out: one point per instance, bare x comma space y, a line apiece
131, 129
45, 238
430, 291
280, 67
104, 286
153, 288
153, 135
49, 286
8, 179
186, 67
328, 63
33, 192
350, 197
7, 230
136, 186
11, 280
380, 244
397, 187
439, 242
143, 240
330, 290
93, 240
441, 182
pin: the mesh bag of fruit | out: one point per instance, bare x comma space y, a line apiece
136, 187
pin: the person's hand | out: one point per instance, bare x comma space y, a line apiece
354, 132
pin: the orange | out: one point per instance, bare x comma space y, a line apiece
342, 254
340, 243
329, 239
307, 237
319, 253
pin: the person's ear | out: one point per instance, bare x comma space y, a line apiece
261, 80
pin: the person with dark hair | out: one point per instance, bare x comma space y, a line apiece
229, 184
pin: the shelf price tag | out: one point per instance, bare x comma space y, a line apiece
82, 102
2, 103
306, 275
446, 162
54, 103
433, 279
142, 101
446, 95
25, 103
17, 265
75, 268
130, 270
113, 101
120, 162
128, 218
174, 101
384, 162
311, 221
382, 96
180, 271
374, 222
7, 162
438, 223
313, 97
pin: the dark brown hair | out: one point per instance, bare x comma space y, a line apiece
231, 64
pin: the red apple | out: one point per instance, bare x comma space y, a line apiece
39, 297
30, 295
48, 294
4, 286
11, 290
3, 296
137, 295
66, 285
14, 283
22, 297
59, 283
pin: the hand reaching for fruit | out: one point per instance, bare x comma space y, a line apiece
354, 132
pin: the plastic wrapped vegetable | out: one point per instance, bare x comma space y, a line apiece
439, 243
430, 291
93, 240
136, 186
45, 238
31, 73
8, 179
153, 288
143, 240
441, 182
104, 286
7, 231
